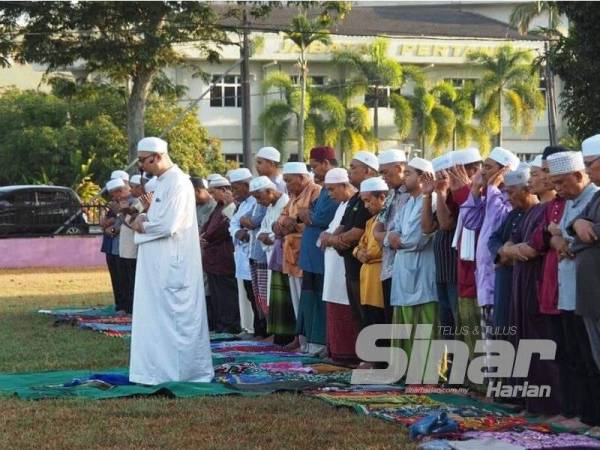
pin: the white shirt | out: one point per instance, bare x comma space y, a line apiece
242, 249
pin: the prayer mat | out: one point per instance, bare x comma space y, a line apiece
536, 440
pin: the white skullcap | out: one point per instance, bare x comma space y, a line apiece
213, 176
367, 158
337, 175
119, 174
537, 162
504, 157
270, 153
135, 179
466, 156
259, 183
591, 146
294, 168
390, 156
374, 184
518, 177
218, 182
239, 175
151, 185
115, 183
565, 162
442, 162
421, 164
152, 145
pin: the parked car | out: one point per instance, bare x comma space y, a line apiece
40, 210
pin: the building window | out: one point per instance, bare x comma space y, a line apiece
542, 82
226, 92
235, 157
460, 83
315, 81
384, 93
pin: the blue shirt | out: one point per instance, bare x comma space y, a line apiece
321, 214
242, 249
567, 270
256, 251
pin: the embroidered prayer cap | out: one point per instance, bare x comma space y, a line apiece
115, 183
135, 179
294, 168
151, 185
336, 176
537, 162
565, 162
421, 164
242, 174
374, 184
152, 145
466, 156
390, 156
442, 162
505, 157
259, 183
518, 177
322, 153
221, 181
119, 174
591, 146
270, 153
213, 176
367, 158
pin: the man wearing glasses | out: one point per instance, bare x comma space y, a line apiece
169, 340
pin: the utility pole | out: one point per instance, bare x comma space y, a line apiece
246, 117
550, 99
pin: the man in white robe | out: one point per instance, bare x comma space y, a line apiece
169, 338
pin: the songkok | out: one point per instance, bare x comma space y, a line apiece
374, 184
552, 149
294, 168
591, 146
242, 174
466, 156
152, 145
322, 153
391, 156
218, 182
115, 183
259, 183
565, 162
135, 179
442, 162
505, 157
270, 153
151, 185
518, 177
367, 158
337, 175
537, 162
119, 174
421, 164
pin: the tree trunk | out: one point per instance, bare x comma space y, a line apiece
246, 114
500, 117
376, 116
136, 107
550, 100
303, 70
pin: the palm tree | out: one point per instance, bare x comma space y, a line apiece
303, 32
509, 78
325, 114
374, 71
523, 14
434, 122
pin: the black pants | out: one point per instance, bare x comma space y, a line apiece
223, 307
353, 288
114, 269
579, 377
387, 300
127, 281
260, 323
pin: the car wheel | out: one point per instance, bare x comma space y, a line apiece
73, 229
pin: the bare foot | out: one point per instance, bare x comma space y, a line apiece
294, 345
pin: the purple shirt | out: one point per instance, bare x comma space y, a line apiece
485, 215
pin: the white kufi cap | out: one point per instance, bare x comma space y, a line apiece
152, 145
367, 158
518, 177
591, 146
466, 156
442, 162
565, 162
135, 179
294, 168
270, 153
505, 157
119, 174
537, 162
259, 183
374, 184
221, 181
390, 156
239, 175
421, 164
115, 183
337, 175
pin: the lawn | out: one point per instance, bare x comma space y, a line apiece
30, 342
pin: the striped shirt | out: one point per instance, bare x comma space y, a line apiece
446, 256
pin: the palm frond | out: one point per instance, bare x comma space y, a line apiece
403, 115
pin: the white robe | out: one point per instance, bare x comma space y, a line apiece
169, 338
334, 284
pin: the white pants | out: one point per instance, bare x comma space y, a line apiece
295, 291
246, 313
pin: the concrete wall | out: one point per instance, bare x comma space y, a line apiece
61, 251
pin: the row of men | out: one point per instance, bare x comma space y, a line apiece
467, 243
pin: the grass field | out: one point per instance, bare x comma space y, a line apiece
30, 342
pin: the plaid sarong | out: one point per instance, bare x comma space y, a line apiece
260, 286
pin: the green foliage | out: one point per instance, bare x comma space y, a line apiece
575, 58
76, 136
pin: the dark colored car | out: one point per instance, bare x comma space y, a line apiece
40, 210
